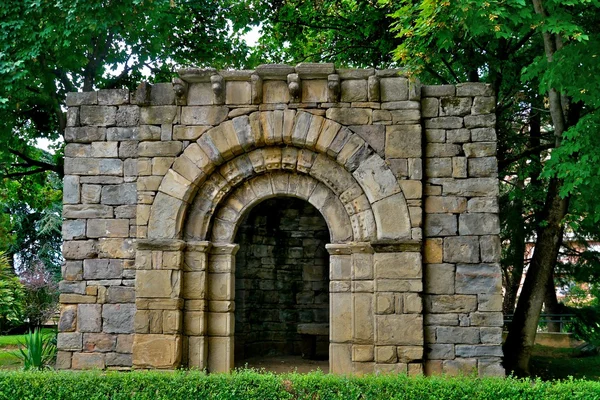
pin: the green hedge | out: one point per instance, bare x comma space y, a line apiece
265, 386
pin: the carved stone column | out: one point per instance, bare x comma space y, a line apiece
221, 306
195, 304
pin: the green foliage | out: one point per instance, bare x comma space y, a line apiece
265, 386
38, 350
11, 296
346, 32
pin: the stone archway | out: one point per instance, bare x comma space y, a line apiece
156, 179
242, 162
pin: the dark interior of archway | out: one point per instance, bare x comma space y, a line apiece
282, 280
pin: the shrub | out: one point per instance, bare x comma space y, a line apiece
248, 384
38, 351
40, 294
11, 296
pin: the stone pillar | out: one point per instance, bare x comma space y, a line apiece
340, 308
158, 320
195, 341
221, 306
397, 269
363, 308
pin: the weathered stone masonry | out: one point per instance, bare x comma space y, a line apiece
158, 181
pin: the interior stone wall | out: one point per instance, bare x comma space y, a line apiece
282, 278
157, 182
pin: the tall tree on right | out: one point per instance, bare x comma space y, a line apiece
565, 69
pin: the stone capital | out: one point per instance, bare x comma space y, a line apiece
224, 248
203, 246
160, 244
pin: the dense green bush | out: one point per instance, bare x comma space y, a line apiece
265, 386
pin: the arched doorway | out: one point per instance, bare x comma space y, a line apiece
282, 287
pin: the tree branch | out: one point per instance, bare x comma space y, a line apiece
43, 166
526, 153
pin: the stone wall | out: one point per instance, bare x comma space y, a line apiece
282, 278
158, 181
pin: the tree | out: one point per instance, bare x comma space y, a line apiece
49, 48
496, 28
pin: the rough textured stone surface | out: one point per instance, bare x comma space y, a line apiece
399, 179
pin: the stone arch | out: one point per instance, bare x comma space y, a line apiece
226, 155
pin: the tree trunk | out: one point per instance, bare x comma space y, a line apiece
551, 305
516, 252
521, 335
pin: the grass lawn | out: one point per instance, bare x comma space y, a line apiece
559, 363
9, 345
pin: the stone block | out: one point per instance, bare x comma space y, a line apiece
440, 225
412, 189
393, 89
158, 283
442, 150
68, 319
435, 135
450, 303
238, 92
81, 98
388, 228
449, 204
491, 335
95, 269
363, 353
403, 141
118, 360
160, 149
79, 249
438, 90
354, 90
480, 121
490, 248
63, 360
118, 318
458, 135
439, 278
461, 249
198, 115
385, 354
340, 358
220, 324
480, 149
476, 279
459, 167
314, 91
93, 166
98, 115
85, 134
479, 224
471, 187
348, 116
374, 135
487, 319
90, 194
451, 106
71, 189
83, 361
108, 228
399, 329
220, 355
71, 287
430, 107
405, 265
489, 302
157, 115
457, 334
432, 251
438, 167
73, 229
444, 123
483, 135
483, 105
275, 92
220, 286
70, 341
99, 342
405, 116
440, 351
407, 354
341, 317
478, 350
470, 89
128, 116
483, 167
157, 351
120, 294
